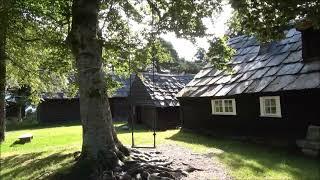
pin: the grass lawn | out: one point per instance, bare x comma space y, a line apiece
52, 150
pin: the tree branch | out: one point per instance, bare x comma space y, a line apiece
154, 8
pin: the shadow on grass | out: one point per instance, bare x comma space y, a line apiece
34, 165
257, 160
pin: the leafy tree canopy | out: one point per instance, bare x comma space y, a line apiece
36, 55
268, 19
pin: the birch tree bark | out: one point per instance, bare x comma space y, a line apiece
100, 143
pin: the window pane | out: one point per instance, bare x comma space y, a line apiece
272, 102
273, 110
228, 102
218, 105
267, 109
226, 109
267, 102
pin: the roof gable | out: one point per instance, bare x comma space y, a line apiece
123, 90
163, 88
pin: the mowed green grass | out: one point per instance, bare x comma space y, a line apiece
52, 148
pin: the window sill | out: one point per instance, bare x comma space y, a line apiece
228, 114
271, 116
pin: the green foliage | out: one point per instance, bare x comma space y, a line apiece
123, 42
200, 54
36, 53
184, 17
39, 58
267, 19
179, 65
219, 53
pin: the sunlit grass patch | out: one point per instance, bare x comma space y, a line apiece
51, 151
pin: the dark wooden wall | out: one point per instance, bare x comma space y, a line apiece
139, 94
148, 114
119, 109
299, 109
166, 118
58, 110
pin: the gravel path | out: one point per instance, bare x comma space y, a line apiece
200, 166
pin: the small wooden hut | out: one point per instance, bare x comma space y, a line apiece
154, 98
58, 108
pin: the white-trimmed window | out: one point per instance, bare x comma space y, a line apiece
270, 106
224, 106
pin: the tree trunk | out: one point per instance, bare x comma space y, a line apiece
100, 143
3, 37
19, 112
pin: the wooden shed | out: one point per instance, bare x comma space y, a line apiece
59, 108
270, 90
154, 98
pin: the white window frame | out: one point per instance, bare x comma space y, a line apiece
234, 112
263, 113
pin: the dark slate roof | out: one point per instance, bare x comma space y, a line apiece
273, 67
164, 88
123, 90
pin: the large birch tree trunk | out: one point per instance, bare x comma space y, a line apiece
4, 6
100, 143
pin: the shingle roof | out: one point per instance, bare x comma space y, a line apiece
124, 89
164, 88
276, 66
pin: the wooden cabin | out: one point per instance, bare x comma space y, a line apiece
55, 109
154, 99
269, 90
59, 108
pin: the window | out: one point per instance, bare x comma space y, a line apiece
224, 106
270, 106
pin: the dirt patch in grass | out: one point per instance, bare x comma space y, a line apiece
197, 166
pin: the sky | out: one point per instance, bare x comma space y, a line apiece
186, 49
